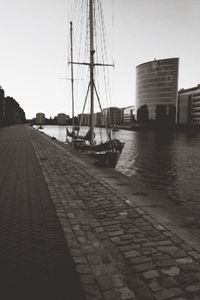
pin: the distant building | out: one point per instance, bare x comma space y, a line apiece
85, 118
98, 119
14, 114
157, 90
2, 107
189, 106
62, 119
128, 115
40, 119
10, 111
112, 116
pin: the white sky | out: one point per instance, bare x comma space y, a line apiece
34, 47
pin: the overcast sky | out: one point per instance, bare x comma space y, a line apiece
34, 47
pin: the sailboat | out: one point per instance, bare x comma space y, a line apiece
106, 153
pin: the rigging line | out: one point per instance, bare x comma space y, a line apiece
81, 119
106, 53
113, 27
103, 47
105, 123
98, 37
80, 26
106, 56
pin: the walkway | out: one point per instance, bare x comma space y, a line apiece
119, 250
34, 260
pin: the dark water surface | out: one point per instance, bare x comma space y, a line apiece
170, 163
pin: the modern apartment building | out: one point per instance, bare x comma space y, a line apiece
189, 106
40, 119
128, 115
157, 90
112, 116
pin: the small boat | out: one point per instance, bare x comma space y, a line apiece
115, 128
106, 153
40, 127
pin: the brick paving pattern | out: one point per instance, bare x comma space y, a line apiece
34, 258
120, 251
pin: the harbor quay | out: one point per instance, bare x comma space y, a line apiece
70, 230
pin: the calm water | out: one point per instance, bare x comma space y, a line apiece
167, 163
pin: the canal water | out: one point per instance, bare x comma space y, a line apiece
169, 163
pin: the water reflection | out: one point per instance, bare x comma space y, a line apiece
167, 162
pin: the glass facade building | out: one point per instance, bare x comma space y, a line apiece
157, 90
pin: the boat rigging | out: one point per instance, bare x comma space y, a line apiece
106, 153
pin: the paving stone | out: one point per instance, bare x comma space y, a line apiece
87, 279
131, 253
93, 259
169, 282
194, 254
168, 249
93, 292
126, 294
106, 258
83, 269
128, 247
144, 293
110, 295
165, 263
167, 293
150, 274
154, 286
186, 247
179, 254
115, 233
184, 260
140, 260
164, 243
104, 282
117, 281
172, 271
193, 288
79, 260
144, 267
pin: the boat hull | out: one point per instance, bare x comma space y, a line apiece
107, 154
107, 159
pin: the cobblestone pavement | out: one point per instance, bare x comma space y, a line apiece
34, 260
120, 251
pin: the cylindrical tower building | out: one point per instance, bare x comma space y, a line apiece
157, 90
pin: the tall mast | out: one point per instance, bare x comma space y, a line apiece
72, 74
92, 51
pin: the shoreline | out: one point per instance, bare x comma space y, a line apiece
185, 224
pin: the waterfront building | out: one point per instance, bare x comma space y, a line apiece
40, 119
13, 113
85, 119
112, 116
157, 90
2, 106
10, 111
62, 119
98, 119
189, 106
128, 115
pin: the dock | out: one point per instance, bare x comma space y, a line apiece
70, 230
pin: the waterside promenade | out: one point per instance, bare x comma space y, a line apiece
72, 231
